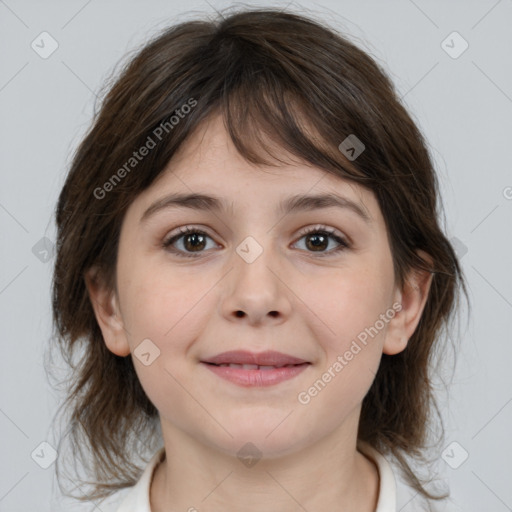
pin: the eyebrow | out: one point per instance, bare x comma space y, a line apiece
204, 202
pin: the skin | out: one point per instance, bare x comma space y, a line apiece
294, 301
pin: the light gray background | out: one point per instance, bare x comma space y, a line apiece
463, 105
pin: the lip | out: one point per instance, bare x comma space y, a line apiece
268, 358
256, 377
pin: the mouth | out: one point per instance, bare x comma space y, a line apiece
244, 357
249, 369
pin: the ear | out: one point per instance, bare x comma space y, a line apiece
412, 298
108, 316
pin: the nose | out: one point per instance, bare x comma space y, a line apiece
256, 289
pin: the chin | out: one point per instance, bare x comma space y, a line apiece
258, 440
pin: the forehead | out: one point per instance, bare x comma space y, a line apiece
209, 163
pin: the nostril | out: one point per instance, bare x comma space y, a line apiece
239, 314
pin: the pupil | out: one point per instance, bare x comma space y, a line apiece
317, 244
196, 237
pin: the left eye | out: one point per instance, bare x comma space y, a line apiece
194, 241
320, 236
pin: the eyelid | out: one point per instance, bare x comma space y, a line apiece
304, 231
323, 227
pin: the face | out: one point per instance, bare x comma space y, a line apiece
316, 284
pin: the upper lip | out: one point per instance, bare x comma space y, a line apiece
268, 358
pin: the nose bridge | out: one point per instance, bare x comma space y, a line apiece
253, 261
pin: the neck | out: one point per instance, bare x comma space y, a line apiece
330, 474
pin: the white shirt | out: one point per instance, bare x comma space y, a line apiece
136, 498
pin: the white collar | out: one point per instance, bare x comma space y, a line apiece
137, 499
387, 486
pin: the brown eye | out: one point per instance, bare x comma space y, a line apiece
317, 240
193, 241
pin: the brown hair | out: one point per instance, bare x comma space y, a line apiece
276, 76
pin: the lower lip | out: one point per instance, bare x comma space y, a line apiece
256, 378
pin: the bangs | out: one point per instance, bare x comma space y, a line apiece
264, 115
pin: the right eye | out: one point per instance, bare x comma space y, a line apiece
192, 239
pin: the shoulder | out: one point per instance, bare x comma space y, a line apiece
113, 502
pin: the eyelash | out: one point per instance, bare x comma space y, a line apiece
167, 244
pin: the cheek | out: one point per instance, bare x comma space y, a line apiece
169, 311
352, 345
354, 302
166, 308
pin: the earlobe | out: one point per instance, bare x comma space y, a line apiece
412, 298
108, 316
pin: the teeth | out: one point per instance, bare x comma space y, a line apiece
254, 366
